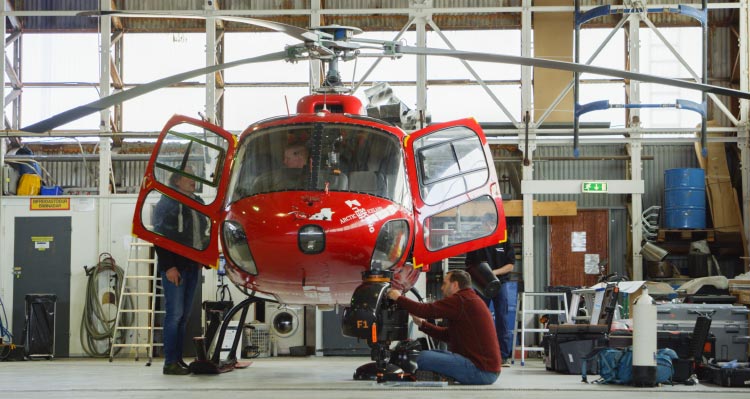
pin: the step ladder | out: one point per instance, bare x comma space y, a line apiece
141, 288
525, 307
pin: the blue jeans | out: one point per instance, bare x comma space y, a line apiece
454, 365
500, 308
178, 300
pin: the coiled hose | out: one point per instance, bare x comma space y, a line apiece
98, 328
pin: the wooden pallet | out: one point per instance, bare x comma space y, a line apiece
685, 235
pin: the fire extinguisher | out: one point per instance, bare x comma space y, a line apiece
644, 341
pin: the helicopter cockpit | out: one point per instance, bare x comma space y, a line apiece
338, 157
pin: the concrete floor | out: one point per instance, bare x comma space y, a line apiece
304, 378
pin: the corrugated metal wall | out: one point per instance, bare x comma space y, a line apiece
666, 156
78, 177
720, 66
588, 170
55, 23
618, 239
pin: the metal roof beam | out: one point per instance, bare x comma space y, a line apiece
367, 11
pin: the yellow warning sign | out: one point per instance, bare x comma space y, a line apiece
42, 243
49, 204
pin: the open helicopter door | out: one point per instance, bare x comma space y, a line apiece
189, 152
456, 195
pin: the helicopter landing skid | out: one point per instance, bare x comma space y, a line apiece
216, 365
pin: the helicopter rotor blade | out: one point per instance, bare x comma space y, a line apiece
106, 102
570, 66
301, 34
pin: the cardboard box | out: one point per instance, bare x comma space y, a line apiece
740, 289
743, 297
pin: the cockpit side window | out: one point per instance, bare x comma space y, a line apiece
450, 163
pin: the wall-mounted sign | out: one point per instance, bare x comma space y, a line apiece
49, 204
578, 241
594, 187
42, 243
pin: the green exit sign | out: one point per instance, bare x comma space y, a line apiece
594, 187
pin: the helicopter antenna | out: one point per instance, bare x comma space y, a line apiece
286, 101
325, 92
354, 72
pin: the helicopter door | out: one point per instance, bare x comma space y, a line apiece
190, 156
454, 186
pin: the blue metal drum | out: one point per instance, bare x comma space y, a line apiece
685, 198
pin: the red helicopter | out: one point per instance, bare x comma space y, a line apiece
371, 206
367, 196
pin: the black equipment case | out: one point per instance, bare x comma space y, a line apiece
39, 329
567, 344
729, 377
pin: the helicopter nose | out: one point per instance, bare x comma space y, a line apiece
311, 239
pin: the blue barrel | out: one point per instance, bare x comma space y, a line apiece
685, 198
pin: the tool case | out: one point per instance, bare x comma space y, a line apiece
729, 324
680, 342
567, 344
738, 376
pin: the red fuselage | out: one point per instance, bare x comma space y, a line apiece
272, 223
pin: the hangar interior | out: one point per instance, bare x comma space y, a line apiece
588, 165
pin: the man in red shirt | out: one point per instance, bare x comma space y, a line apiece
473, 356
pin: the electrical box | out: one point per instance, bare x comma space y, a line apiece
10, 180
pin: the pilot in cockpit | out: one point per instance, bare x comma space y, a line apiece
291, 176
295, 156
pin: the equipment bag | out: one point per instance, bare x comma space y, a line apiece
616, 365
664, 366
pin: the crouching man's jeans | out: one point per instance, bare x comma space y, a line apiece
456, 366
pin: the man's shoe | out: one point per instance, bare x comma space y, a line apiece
426, 375
183, 364
506, 362
174, 369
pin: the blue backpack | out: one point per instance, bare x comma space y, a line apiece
616, 365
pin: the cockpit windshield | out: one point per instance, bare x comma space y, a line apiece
317, 157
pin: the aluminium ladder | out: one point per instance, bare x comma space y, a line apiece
525, 307
143, 286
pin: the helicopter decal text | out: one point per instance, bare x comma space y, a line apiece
366, 215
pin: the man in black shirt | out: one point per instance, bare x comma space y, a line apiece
501, 258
